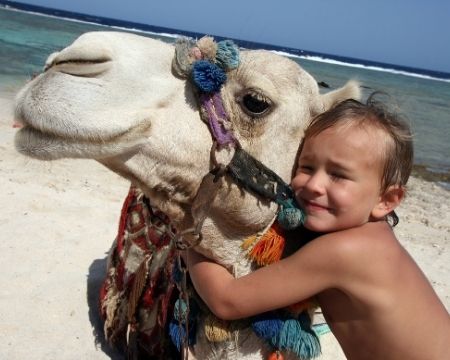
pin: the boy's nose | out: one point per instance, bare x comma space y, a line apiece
316, 183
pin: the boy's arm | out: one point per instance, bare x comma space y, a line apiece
312, 269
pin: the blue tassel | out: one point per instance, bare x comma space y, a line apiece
177, 334
267, 325
227, 56
290, 216
293, 337
208, 76
180, 311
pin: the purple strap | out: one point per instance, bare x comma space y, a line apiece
212, 104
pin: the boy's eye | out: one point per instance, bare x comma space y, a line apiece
305, 169
337, 176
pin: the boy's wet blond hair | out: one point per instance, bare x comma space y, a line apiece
397, 155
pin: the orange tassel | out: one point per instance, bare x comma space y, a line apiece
249, 242
276, 355
269, 248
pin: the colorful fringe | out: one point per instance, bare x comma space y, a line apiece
267, 248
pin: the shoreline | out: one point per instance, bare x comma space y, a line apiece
428, 173
128, 25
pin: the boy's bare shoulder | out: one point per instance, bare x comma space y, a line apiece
354, 248
368, 236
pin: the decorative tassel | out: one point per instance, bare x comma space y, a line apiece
136, 289
182, 62
217, 330
207, 76
276, 355
290, 216
227, 56
208, 47
195, 54
180, 311
269, 248
267, 325
132, 342
177, 334
249, 242
298, 337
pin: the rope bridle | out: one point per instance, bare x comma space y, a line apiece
205, 63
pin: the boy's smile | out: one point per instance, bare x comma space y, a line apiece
338, 177
312, 206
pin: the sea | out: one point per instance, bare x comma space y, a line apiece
28, 34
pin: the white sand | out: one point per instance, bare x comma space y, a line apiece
58, 221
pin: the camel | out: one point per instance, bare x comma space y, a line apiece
116, 98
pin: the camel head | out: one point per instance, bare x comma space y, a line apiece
115, 97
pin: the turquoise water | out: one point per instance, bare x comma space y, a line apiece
27, 39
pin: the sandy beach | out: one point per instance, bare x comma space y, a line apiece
59, 219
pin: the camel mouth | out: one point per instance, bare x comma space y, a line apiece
22, 123
41, 145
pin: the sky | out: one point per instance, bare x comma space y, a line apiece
413, 33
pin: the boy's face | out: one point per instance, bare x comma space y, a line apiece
338, 178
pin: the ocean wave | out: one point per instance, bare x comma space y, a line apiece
360, 66
177, 34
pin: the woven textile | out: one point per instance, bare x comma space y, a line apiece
138, 292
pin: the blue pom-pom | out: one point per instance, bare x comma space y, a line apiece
227, 55
208, 76
290, 216
267, 325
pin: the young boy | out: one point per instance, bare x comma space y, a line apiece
353, 166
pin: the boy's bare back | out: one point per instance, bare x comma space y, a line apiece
383, 307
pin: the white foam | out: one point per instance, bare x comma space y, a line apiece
360, 66
283, 53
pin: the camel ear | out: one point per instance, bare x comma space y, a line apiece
351, 90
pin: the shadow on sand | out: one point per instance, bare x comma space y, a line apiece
96, 275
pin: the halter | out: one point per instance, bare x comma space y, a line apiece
206, 63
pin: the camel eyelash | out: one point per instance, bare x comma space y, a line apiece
254, 103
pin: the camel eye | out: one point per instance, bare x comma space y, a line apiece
255, 104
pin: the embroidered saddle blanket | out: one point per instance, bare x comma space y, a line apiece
138, 292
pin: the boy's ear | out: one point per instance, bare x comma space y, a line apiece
388, 201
